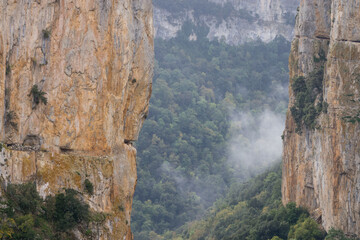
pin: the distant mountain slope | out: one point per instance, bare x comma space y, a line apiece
253, 211
234, 21
185, 160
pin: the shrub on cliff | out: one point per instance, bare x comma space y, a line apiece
307, 92
336, 235
89, 187
22, 198
25, 215
8, 69
6, 227
22, 213
299, 85
66, 210
46, 33
10, 119
38, 95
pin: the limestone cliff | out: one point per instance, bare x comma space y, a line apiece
234, 21
93, 62
321, 156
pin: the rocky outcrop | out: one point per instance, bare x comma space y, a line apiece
75, 83
321, 163
234, 21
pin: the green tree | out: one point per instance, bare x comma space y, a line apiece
306, 229
38, 95
69, 210
334, 234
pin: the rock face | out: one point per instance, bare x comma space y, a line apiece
235, 21
93, 63
321, 165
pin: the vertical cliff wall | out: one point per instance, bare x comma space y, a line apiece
93, 62
321, 158
234, 21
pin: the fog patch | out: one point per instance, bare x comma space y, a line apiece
171, 172
202, 192
255, 142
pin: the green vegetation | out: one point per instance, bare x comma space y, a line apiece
321, 58
253, 211
352, 119
306, 229
67, 210
46, 33
183, 147
325, 106
44, 62
308, 92
8, 69
10, 119
121, 208
38, 95
25, 215
334, 234
98, 217
89, 187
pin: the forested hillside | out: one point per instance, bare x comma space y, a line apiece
253, 211
201, 90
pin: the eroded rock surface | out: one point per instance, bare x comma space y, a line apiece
93, 62
321, 165
234, 21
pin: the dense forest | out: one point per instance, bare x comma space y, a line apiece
185, 155
253, 211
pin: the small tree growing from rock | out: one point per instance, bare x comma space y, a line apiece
38, 95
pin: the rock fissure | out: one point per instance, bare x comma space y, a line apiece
351, 41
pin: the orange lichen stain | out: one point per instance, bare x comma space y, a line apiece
77, 179
61, 170
65, 170
120, 224
337, 166
107, 169
28, 166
